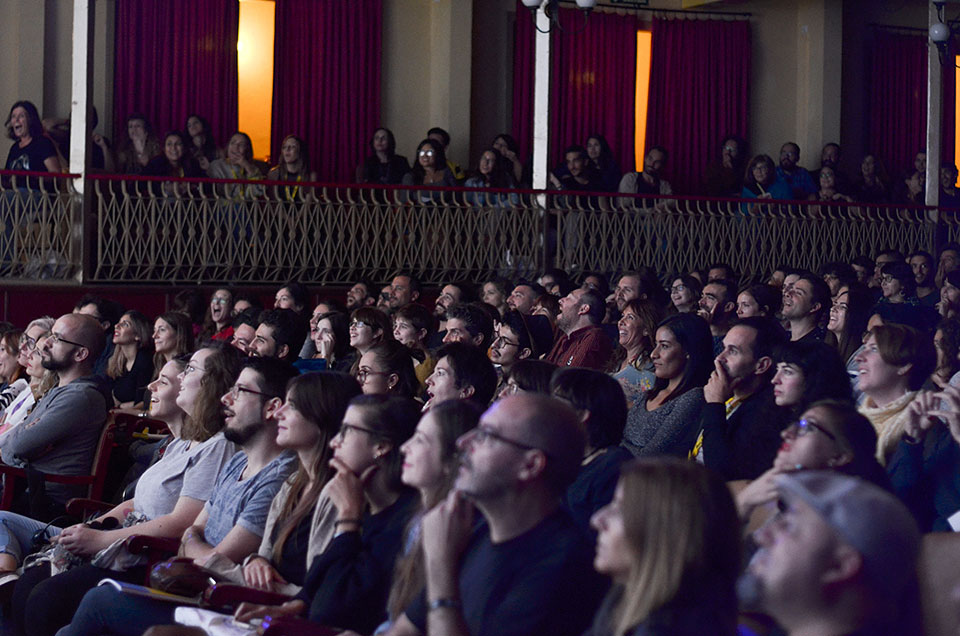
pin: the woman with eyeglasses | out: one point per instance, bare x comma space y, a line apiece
218, 323
685, 294
22, 395
169, 495
349, 583
828, 435
670, 541
387, 369
368, 328
430, 169
11, 371
663, 421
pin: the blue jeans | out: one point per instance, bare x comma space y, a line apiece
17, 531
104, 610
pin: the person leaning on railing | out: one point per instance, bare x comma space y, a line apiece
294, 166
238, 165
430, 168
760, 182
33, 150
175, 161
140, 146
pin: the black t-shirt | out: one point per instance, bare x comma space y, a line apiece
32, 156
595, 484
541, 582
293, 559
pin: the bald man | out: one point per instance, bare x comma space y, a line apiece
60, 436
527, 569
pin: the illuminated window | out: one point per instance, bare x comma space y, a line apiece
255, 73
644, 41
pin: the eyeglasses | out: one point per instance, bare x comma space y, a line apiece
347, 427
55, 338
678, 288
236, 390
500, 340
358, 323
362, 374
481, 435
219, 301
802, 427
28, 344
426, 153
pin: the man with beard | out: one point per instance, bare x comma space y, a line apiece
361, 295
527, 568
584, 342
450, 295
404, 289
789, 172
839, 558
806, 306
921, 263
524, 296
280, 334
61, 434
739, 423
469, 324
648, 181
718, 306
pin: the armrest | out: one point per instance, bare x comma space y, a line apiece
230, 595
288, 626
144, 544
83, 508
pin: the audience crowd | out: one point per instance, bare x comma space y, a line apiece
653, 453
590, 166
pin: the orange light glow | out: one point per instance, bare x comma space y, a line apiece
956, 149
644, 48
255, 73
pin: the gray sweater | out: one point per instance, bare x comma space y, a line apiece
669, 430
60, 436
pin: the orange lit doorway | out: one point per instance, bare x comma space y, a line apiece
255, 73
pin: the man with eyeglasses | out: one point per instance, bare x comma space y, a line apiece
839, 558
61, 434
793, 175
527, 568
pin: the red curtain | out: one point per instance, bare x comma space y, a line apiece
326, 80
699, 92
176, 57
898, 100
593, 81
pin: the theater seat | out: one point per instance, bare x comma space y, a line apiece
939, 574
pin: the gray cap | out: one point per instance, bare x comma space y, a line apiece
866, 517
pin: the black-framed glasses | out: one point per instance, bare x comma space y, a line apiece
358, 323
362, 374
352, 427
501, 340
55, 338
28, 344
236, 390
802, 427
482, 434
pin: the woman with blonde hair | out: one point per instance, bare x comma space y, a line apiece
670, 540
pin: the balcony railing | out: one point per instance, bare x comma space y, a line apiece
158, 230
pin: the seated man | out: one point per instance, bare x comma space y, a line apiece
468, 324
61, 435
524, 296
840, 558
463, 372
362, 294
280, 335
229, 526
584, 342
244, 330
526, 569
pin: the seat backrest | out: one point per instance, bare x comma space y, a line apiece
101, 459
939, 574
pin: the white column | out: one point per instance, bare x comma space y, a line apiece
934, 115
541, 100
81, 88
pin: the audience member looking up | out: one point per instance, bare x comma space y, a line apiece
583, 342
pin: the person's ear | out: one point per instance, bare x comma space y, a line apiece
477, 339
845, 565
905, 369
392, 380
414, 296
467, 391
282, 351
534, 463
763, 365
270, 408
524, 353
421, 334
729, 307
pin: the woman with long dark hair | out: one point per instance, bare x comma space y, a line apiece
140, 146
294, 166
32, 149
430, 169
131, 365
384, 166
600, 156
202, 147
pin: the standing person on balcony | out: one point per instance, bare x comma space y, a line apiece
384, 166
294, 166
32, 150
238, 165
202, 147
218, 323
131, 365
430, 169
648, 181
791, 174
584, 342
61, 435
140, 146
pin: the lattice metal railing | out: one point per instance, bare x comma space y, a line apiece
211, 231
677, 235
40, 227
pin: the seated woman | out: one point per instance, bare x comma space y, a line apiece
827, 435
384, 166
670, 540
495, 292
140, 146
760, 182
239, 165
12, 372
294, 166
172, 337
40, 381
32, 149
946, 340
131, 365
493, 171
759, 300
330, 332
218, 322
168, 498
894, 363
600, 157
507, 146
413, 327
808, 372
202, 146
174, 161
348, 585
599, 397
873, 184
849, 314
368, 327
631, 365
663, 421
828, 187
387, 369
685, 293
430, 169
